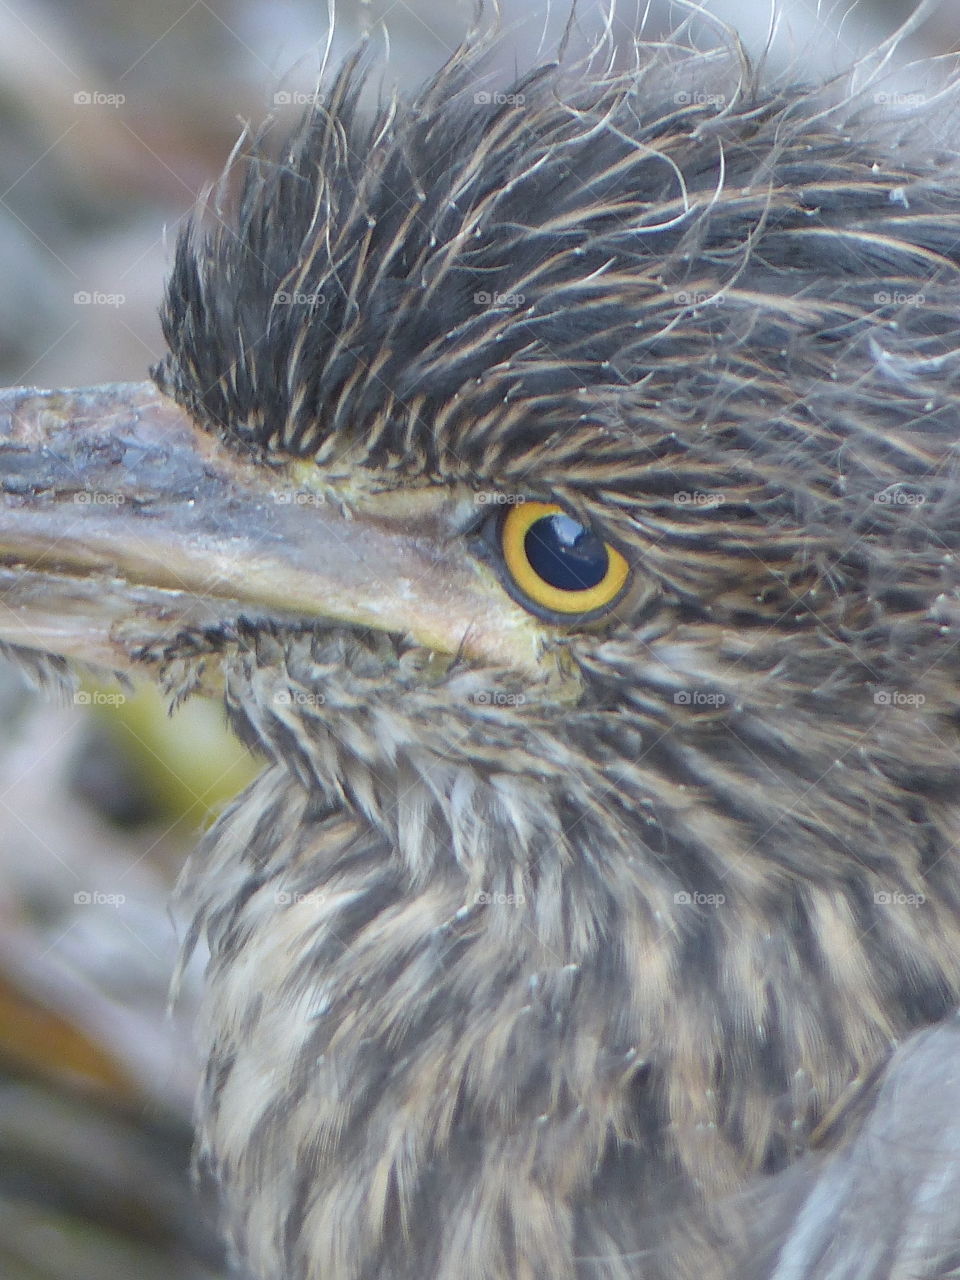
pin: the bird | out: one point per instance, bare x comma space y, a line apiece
558, 484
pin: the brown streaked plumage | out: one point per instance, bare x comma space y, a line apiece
551, 947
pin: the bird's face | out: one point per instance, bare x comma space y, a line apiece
570, 521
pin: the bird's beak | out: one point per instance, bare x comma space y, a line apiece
123, 524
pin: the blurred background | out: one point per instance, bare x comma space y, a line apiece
114, 114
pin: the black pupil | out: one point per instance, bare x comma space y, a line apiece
564, 553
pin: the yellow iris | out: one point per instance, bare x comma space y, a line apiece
558, 563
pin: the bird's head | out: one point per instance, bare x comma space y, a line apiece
560, 481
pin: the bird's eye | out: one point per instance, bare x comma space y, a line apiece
556, 564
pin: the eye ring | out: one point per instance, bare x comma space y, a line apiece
557, 565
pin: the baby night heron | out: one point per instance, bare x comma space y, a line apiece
560, 488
